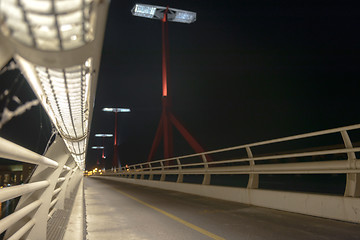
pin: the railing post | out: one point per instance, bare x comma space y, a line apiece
71, 178
253, 178
207, 176
180, 175
162, 178
151, 176
142, 172
135, 173
352, 179
61, 196
74, 180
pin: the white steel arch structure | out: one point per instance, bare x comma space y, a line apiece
57, 46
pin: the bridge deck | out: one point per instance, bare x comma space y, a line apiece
116, 210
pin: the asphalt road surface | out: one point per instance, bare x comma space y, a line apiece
116, 210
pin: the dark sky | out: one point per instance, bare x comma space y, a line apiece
245, 71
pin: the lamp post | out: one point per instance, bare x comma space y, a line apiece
96, 148
166, 14
116, 163
103, 135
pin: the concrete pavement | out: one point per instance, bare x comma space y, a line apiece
116, 210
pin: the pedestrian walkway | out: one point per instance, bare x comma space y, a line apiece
116, 210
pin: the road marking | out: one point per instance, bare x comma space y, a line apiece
190, 225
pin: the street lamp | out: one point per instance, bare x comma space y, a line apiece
97, 148
164, 129
116, 110
103, 135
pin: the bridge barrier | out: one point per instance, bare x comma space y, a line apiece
55, 177
346, 207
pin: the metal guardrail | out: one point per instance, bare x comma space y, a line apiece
253, 166
55, 177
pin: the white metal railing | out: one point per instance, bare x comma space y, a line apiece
43, 194
250, 165
15, 152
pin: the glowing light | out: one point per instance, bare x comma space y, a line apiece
66, 27
144, 10
157, 12
97, 147
44, 28
184, 17
116, 109
103, 135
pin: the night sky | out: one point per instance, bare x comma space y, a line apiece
245, 71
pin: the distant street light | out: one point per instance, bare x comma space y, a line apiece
116, 110
116, 163
97, 148
164, 129
103, 135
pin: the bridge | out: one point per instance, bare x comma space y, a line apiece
251, 191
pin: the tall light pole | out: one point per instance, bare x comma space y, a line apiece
96, 148
103, 136
166, 14
116, 163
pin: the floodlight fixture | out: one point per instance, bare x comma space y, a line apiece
103, 135
158, 12
116, 109
97, 147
